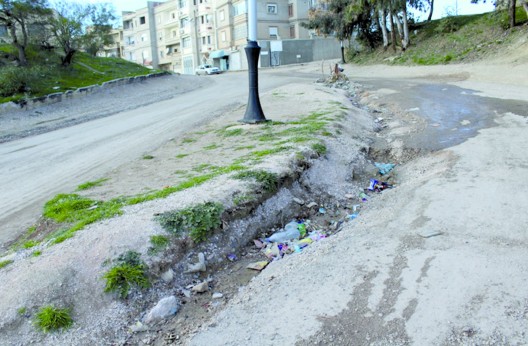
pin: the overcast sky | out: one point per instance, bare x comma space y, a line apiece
442, 7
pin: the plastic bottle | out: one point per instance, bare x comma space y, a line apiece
290, 232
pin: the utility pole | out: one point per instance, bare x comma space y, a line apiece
254, 113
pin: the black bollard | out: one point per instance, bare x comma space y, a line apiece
254, 113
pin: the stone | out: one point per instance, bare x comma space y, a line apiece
138, 327
166, 307
201, 287
217, 295
197, 267
168, 276
186, 293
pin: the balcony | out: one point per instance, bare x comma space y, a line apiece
206, 48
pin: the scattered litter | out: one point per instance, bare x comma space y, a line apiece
322, 210
232, 257
311, 205
197, 267
298, 201
352, 216
465, 122
355, 207
201, 287
259, 244
186, 293
349, 196
429, 234
168, 276
217, 295
257, 265
291, 231
378, 120
363, 197
378, 186
384, 168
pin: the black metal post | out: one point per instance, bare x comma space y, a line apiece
254, 113
342, 53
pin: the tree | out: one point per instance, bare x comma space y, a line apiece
18, 16
98, 33
78, 25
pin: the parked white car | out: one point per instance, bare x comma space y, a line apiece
207, 69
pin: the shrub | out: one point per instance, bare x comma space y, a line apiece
268, 181
199, 220
129, 271
18, 80
50, 318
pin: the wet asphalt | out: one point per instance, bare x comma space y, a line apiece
452, 114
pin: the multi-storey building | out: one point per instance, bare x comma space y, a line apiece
116, 48
179, 35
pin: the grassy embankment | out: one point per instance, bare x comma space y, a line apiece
450, 39
45, 75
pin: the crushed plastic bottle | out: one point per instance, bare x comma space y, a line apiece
291, 231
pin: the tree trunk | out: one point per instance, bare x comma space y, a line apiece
430, 11
67, 60
512, 13
383, 26
399, 26
22, 59
525, 6
393, 31
406, 40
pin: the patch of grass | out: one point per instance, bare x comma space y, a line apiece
50, 318
268, 181
129, 271
202, 167
90, 184
158, 243
211, 147
231, 133
79, 211
22, 311
181, 156
267, 152
29, 244
243, 198
267, 137
319, 148
199, 220
36, 253
188, 140
5, 263
148, 157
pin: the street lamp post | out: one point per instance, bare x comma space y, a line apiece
254, 113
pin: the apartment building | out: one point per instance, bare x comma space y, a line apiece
179, 35
116, 48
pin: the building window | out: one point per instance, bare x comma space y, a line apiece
173, 15
208, 39
290, 10
292, 31
142, 20
222, 15
143, 37
272, 8
239, 8
182, 3
240, 31
223, 36
203, 40
273, 32
202, 19
186, 42
174, 33
161, 54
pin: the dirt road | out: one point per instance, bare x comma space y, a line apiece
35, 168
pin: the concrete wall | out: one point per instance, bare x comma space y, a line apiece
299, 51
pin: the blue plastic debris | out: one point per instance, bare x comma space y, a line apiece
384, 168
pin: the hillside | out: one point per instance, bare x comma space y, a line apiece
451, 40
45, 75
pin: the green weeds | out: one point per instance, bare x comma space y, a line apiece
267, 180
90, 184
50, 318
129, 271
158, 243
5, 263
199, 221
